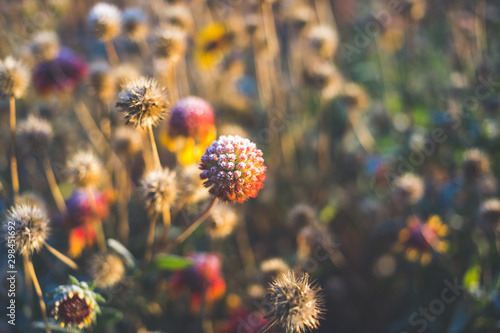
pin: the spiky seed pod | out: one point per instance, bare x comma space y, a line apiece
223, 221
159, 190
300, 216
191, 184
32, 199
105, 21
14, 78
75, 305
34, 134
294, 302
323, 77
180, 16
272, 268
233, 168
45, 46
475, 164
409, 187
134, 23
102, 81
126, 141
169, 43
355, 96
84, 169
106, 269
143, 102
489, 215
28, 225
125, 73
324, 40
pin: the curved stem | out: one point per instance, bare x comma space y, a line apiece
150, 240
13, 159
54, 188
62, 257
268, 325
154, 149
38, 290
196, 223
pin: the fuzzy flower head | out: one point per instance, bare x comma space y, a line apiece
300, 216
14, 78
159, 189
272, 268
102, 81
29, 226
409, 188
169, 43
190, 129
75, 305
324, 78
203, 279
475, 164
355, 96
294, 302
105, 21
126, 141
45, 46
60, 74
84, 169
223, 220
106, 269
35, 134
191, 184
134, 24
124, 73
420, 239
180, 16
324, 40
143, 102
233, 168
489, 215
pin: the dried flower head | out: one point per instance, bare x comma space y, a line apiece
233, 168
102, 81
106, 269
294, 302
489, 215
299, 15
223, 221
84, 169
105, 21
159, 189
45, 46
475, 164
180, 16
32, 199
75, 305
169, 43
324, 40
14, 78
355, 96
272, 268
134, 23
126, 141
300, 216
125, 73
409, 188
28, 226
191, 184
143, 102
35, 134
323, 77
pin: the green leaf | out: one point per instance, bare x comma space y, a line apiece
471, 277
122, 251
73, 280
171, 262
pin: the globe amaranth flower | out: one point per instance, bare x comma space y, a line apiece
60, 74
143, 102
79, 219
159, 189
233, 168
75, 305
14, 78
28, 225
294, 303
105, 21
34, 134
203, 279
211, 45
419, 239
190, 129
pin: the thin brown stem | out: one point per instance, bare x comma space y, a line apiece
101, 239
70, 263
362, 133
196, 223
27, 280
13, 159
154, 149
245, 249
150, 240
54, 188
268, 325
166, 217
111, 52
123, 197
38, 290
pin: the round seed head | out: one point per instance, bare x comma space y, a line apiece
324, 40
106, 270
125, 73
409, 188
143, 102
191, 184
323, 77
45, 46
84, 169
301, 216
224, 219
102, 81
134, 23
169, 43
105, 21
294, 302
180, 16
34, 134
28, 224
476, 163
126, 141
14, 78
489, 215
270, 269
159, 190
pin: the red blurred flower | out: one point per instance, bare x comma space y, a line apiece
234, 168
